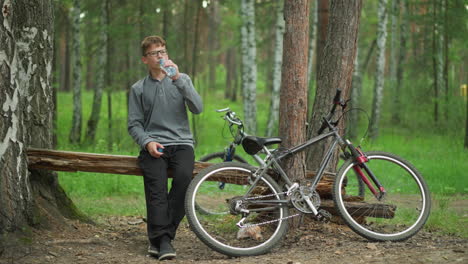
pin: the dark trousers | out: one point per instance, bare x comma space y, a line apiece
165, 209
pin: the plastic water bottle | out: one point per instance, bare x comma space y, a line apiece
170, 71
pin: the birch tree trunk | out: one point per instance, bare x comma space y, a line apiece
438, 60
278, 61
27, 198
335, 70
100, 83
293, 104
380, 70
249, 66
75, 133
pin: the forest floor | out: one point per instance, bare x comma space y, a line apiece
123, 240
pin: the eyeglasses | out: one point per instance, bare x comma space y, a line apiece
156, 53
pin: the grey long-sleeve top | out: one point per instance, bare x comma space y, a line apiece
157, 110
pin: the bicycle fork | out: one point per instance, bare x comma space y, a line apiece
361, 161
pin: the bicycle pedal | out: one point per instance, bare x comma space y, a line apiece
323, 215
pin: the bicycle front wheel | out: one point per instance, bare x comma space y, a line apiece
264, 210
400, 214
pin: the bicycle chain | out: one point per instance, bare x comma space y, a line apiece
271, 221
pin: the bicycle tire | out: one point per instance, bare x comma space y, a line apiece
402, 212
219, 231
219, 156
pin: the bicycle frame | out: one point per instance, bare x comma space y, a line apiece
271, 160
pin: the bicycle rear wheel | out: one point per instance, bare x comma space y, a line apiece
400, 214
266, 223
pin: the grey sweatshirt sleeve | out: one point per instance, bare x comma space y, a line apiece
185, 86
136, 121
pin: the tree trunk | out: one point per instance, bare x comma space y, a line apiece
214, 19
64, 50
249, 66
401, 62
466, 125
352, 130
335, 70
293, 104
100, 83
231, 75
312, 40
27, 197
108, 83
394, 14
75, 133
380, 70
278, 61
322, 28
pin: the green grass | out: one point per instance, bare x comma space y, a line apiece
440, 158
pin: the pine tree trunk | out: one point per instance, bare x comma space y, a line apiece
293, 104
401, 60
26, 116
100, 83
75, 133
380, 70
352, 129
335, 71
278, 61
249, 66
214, 19
312, 40
322, 28
394, 14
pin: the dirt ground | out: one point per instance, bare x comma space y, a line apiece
123, 240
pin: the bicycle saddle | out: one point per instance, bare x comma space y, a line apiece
252, 145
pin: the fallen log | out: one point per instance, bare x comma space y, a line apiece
70, 161
58, 160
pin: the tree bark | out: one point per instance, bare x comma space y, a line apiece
322, 27
293, 94
335, 71
75, 132
278, 61
380, 70
93, 120
27, 197
394, 14
401, 61
312, 40
249, 66
214, 19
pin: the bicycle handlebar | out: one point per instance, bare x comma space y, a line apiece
230, 116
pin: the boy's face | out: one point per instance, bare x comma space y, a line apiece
153, 54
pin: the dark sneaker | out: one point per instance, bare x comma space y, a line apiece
153, 251
166, 250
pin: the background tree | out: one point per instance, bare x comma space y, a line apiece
75, 133
335, 70
379, 72
93, 120
27, 197
249, 66
293, 95
278, 61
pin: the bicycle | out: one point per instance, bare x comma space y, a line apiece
393, 206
